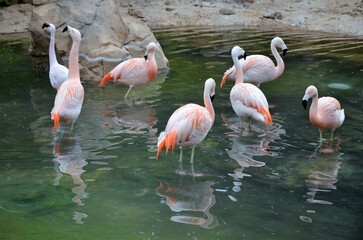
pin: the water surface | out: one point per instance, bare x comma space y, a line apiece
102, 181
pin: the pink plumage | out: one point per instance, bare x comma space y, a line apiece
325, 112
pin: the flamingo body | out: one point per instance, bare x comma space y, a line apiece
189, 124
69, 99
135, 71
259, 69
57, 72
325, 112
247, 100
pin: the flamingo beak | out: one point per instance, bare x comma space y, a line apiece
304, 103
212, 98
244, 56
65, 29
145, 56
284, 52
45, 25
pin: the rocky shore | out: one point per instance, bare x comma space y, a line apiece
343, 17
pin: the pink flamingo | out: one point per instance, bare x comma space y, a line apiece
259, 69
69, 98
135, 71
247, 100
57, 72
189, 124
325, 112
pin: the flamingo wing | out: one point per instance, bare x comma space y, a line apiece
187, 126
131, 72
258, 69
251, 97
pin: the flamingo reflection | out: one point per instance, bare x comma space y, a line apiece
325, 164
249, 144
69, 159
190, 197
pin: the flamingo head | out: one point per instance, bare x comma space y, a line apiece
310, 92
150, 49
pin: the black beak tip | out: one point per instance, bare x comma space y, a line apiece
212, 97
284, 52
244, 56
45, 25
65, 29
304, 103
145, 56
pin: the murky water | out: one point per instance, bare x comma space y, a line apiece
102, 181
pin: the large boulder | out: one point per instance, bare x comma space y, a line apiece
108, 37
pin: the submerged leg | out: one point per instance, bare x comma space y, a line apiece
331, 135
321, 136
192, 156
181, 154
128, 91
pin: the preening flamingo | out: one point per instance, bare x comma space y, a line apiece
57, 72
135, 71
259, 69
247, 100
325, 112
189, 124
69, 98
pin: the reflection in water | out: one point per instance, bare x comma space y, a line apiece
325, 165
69, 159
190, 197
251, 143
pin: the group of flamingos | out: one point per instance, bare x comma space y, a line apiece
190, 123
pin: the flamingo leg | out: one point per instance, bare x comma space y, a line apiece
321, 135
181, 155
192, 156
128, 91
331, 135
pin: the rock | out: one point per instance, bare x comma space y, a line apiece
273, 15
225, 11
108, 37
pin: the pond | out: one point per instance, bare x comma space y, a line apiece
102, 180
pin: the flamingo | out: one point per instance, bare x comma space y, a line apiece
69, 98
57, 72
189, 124
325, 112
259, 69
135, 71
247, 100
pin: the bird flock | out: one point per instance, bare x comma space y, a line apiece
190, 123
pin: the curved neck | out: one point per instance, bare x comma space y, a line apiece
279, 69
152, 66
52, 57
239, 72
73, 60
313, 113
208, 104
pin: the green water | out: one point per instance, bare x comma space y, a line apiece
102, 181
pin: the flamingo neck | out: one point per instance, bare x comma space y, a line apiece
73, 60
52, 57
239, 72
313, 112
152, 66
279, 69
208, 104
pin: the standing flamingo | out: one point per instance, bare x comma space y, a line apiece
69, 98
259, 69
57, 73
325, 112
189, 124
135, 71
247, 100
